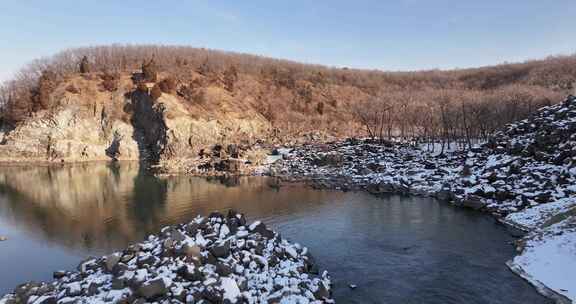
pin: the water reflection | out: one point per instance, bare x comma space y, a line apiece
396, 249
98, 207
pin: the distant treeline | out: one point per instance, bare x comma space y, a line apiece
449, 105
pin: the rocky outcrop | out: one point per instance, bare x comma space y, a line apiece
149, 120
218, 259
125, 123
69, 134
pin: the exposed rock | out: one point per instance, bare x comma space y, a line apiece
221, 250
328, 159
111, 261
444, 195
474, 202
152, 289
212, 264
193, 251
260, 227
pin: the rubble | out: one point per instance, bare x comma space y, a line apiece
215, 259
525, 176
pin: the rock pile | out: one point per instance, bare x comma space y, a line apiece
549, 135
531, 162
525, 175
218, 259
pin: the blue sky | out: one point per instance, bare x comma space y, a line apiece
387, 35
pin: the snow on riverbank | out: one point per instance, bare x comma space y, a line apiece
525, 193
537, 216
524, 175
548, 259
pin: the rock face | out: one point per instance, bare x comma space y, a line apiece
204, 261
149, 119
71, 134
124, 124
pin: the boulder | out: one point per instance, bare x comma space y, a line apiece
74, 289
59, 274
473, 201
221, 250
328, 159
233, 150
46, 300
111, 261
322, 292
193, 252
152, 289
190, 273
259, 227
223, 269
177, 236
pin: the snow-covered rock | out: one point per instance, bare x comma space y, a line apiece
209, 260
525, 175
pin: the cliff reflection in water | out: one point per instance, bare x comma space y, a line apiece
54, 217
98, 207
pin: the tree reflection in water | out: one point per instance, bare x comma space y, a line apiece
99, 207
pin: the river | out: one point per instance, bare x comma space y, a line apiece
395, 249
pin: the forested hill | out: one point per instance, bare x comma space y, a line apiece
298, 99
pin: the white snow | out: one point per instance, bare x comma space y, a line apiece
270, 159
551, 260
231, 290
292, 252
533, 217
74, 288
224, 231
254, 225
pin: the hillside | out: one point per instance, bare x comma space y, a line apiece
153, 102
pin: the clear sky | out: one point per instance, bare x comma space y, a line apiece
387, 35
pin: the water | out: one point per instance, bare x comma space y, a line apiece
395, 249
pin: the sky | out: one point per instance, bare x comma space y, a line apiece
384, 34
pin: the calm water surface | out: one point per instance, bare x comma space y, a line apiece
396, 249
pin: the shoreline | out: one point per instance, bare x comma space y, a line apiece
324, 168
406, 171
349, 184
47, 163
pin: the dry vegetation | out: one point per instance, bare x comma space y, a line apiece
458, 105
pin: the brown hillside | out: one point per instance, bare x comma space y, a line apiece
181, 98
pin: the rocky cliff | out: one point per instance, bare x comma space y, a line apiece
90, 122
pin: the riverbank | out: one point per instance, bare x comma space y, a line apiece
471, 179
524, 176
217, 259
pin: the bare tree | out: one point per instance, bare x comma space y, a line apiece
372, 113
